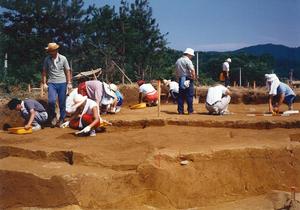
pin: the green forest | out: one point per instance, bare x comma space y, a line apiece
100, 37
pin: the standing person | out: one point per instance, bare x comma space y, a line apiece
173, 90
147, 93
225, 72
57, 68
185, 73
279, 90
31, 110
218, 99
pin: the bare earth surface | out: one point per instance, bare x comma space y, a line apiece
231, 162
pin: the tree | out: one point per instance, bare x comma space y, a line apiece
30, 25
143, 39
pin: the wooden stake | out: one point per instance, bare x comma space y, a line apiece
293, 193
234, 83
254, 84
29, 88
158, 105
42, 90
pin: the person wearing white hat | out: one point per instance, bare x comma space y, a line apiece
185, 73
224, 76
173, 90
57, 69
279, 93
86, 117
118, 101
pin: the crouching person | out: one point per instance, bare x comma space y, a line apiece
86, 117
147, 93
217, 100
31, 110
115, 107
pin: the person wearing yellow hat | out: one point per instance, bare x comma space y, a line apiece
57, 69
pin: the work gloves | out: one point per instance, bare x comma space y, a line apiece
85, 130
65, 124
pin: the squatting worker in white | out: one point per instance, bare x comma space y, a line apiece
57, 68
185, 73
218, 99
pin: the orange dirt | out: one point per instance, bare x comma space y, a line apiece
233, 162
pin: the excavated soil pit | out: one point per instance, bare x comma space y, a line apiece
135, 168
230, 162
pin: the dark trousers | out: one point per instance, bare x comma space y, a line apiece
54, 90
227, 81
185, 94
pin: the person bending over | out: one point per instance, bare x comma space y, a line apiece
218, 99
31, 110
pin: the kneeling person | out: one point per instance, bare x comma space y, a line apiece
218, 99
86, 116
147, 93
31, 110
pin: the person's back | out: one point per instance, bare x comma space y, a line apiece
147, 89
225, 66
215, 93
33, 104
217, 100
174, 86
285, 89
183, 67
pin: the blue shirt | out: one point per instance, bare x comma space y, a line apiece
284, 89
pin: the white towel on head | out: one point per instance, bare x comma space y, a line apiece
272, 83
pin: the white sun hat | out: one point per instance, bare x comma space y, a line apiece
113, 87
78, 100
166, 82
228, 60
189, 51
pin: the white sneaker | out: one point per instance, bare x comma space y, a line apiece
93, 132
36, 128
118, 109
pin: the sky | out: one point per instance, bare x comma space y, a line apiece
224, 25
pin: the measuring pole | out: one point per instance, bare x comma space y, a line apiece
240, 76
197, 73
5, 67
159, 93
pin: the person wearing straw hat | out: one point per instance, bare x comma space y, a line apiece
279, 93
173, 90
185, 73
224, 77
86, 117
57, 69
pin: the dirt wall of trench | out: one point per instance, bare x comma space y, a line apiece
161, 181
